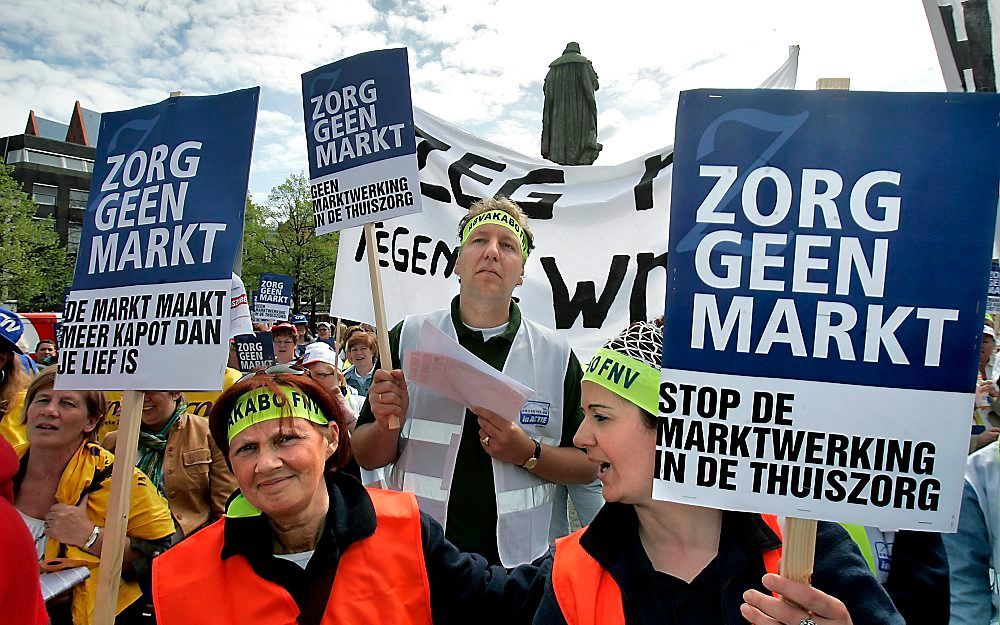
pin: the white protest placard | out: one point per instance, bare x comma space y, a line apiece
151, 291
816, 365
239, 309
600, 257
359, 133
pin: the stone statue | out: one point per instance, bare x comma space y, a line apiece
569, 118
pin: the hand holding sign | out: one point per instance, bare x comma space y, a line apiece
803, 603
362, 154
388, 398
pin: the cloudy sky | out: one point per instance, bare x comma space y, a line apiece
476, 63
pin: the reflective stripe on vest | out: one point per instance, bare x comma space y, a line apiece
432, 433
192, 585
588, 595
860, 538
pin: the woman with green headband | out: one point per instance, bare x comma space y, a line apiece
643, 561
302, 542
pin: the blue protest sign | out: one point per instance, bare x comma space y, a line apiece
151, 291
254, 350
826, 288
273, 300
360, 139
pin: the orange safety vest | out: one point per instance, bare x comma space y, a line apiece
380, 579
588, 595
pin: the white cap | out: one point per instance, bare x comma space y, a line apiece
319, 352
989, 330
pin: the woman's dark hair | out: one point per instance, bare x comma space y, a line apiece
218, 420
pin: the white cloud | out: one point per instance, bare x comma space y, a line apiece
476, 63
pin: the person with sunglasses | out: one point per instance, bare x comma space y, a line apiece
62, 490
301, 542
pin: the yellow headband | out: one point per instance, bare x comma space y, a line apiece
630, 379
261, 404
499, 218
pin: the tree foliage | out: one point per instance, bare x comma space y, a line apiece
279, 237
34, 267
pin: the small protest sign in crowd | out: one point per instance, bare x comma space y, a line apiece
773, 403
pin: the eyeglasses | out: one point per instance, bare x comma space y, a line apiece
284, 342
279, 369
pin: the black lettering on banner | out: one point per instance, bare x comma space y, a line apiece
542, 209
76, 310
425, 145
768, 407
637, 300
463, 167
411, 258
716, 472
584, 300
976, 51
670, 465
708, 402
643, 190
67, 361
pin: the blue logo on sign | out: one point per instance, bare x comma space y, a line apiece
883, 552
535, 413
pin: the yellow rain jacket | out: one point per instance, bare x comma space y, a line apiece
148, 519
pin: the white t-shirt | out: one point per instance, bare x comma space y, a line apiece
37, 529
302, 558
489, 333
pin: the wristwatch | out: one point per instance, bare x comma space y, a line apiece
533, 460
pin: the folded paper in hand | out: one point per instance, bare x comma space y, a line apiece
60, 581
441, 365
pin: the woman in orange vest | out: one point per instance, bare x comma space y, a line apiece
303, 542
643, 561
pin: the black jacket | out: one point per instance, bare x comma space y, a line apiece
716, 594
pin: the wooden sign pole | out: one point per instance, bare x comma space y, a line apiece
798, 539
381, 329
337, 345
116, 521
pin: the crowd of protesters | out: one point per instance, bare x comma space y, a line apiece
326, 489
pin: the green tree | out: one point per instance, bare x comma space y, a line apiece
34, 268
279, 237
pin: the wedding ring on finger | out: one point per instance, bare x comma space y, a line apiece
485, 441
807, 621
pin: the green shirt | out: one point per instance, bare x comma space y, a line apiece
472, 506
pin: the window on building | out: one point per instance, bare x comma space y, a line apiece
73, 238
45, 158
15, 156
78, 164
44, 194
78, 199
